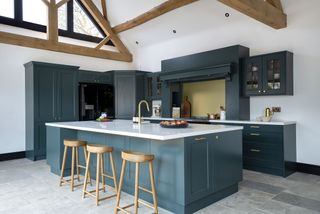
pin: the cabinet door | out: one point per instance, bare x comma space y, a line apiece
253, 76
149, 87
125, 86
40, 141
199, 167
157, 84
87, 76
274, 74
227, 159
45, 93
105, 78
67, 103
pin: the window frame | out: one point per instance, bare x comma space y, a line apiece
18, 21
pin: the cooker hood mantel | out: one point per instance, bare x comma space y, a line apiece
223, 71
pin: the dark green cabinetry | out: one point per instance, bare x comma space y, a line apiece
270, 74
96, 77
153, 86
51, 95
129, 90
220, 159
270, 149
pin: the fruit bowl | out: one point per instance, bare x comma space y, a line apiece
174, 124
103, 120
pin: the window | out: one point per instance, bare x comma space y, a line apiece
7, 8
82, 23
74, 21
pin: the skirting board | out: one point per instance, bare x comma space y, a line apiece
308, 168
12, 156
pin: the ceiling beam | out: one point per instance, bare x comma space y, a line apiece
260, 10
105, 26
151, 14
276, 4
104, 8
31, 42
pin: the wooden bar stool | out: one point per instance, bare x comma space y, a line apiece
74, 145
100, 150
137, 158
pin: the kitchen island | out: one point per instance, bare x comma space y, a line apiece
193, 167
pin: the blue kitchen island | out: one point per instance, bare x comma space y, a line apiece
193, 167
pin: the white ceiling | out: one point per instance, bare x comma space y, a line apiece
191, 19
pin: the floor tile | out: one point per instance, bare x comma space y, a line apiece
262, 187
298, 201
277, 207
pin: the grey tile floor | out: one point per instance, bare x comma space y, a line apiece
29, 187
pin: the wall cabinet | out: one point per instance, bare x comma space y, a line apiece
96, 77
270, 74
153, 86
129, 90
51, 96
220, 159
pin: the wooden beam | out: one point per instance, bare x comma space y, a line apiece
104, 8
46, 2
259, 10
151, 14
26, 41
276, 4
103, 42
105, 26
52, 29
62, 2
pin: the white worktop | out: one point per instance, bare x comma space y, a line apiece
145, 130
274, 122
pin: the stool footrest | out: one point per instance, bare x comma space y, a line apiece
108, 176
146, 204
145, 190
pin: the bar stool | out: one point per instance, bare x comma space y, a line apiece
74, 145
100, 150
137, 158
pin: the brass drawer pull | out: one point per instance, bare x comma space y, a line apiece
255, 127
200, 138
254, 134
255, 150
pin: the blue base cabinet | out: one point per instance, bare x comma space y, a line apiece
190, 173
51, 95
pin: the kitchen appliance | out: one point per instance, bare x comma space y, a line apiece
175, 112
156, 108
95, 99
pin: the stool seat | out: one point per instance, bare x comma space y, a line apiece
136, 157
96, 148
74, 143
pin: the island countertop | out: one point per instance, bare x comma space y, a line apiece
145, 130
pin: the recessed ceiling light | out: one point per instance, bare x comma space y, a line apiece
174, 31
137, 42
227, 15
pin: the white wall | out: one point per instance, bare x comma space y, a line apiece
301, 37
12, 87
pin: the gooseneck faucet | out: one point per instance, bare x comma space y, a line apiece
139, 110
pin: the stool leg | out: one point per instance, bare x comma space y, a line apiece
114, 175
136, 192
77, 163
72, 168
102, 173
63, 164
97, 179
153, 188
86, 175
123, 168
86, 159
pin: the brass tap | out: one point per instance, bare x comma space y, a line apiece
139, 110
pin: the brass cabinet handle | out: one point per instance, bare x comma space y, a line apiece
255, 127
200, 138
254, 134
255, 150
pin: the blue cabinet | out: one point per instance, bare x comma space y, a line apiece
51, 95
269, 74
96, 77
153, 86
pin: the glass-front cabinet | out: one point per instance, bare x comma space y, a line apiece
270, 74
153, 86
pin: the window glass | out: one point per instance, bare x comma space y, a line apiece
35, 11
7, 8
62, 17
82, 23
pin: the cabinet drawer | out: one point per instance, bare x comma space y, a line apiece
262, 163
263, 128
263, 137
262, 151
